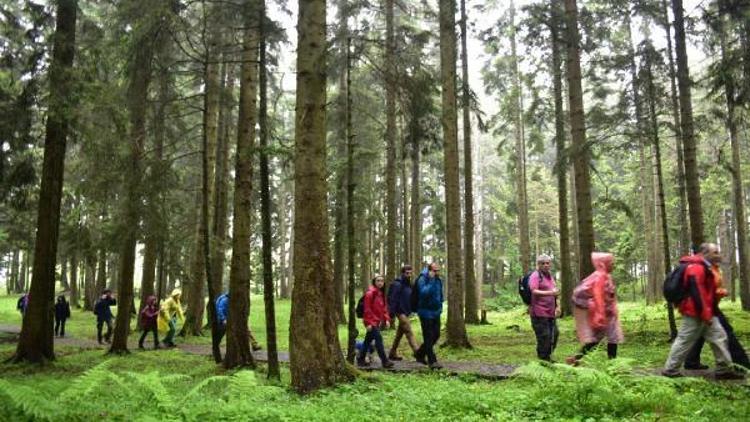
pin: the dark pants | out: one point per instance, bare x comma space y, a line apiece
145, 333
430, 336
373, 335
611, 350
546, 333
739, 356
60, 327
99, 326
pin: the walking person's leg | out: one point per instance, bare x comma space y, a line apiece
393, 353
366, 345
380, 348
99, 326
612, 350
690, 330
434, 335
717, 338
543, 337
555, 335
62, 327
693, 359
108, 336
419, 355
57, 326
155, 330
143, 336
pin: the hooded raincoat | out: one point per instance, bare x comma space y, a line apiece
171, 308
595, 303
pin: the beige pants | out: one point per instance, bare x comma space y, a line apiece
690, 331
404, 329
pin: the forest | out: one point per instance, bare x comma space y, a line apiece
248, 171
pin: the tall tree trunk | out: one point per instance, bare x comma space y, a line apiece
351, 241
315, 354
339, 222
140, 75
455, 328
101, 277
580, 149
416, 206
660, 186
265, 204
64, 284
284, 235
74, 291
688, 136
737, 190
472, 287
684, 231
194, 314
20, 285
390, 270
238, 352
36, 341
561, 164
221, 180
522, 204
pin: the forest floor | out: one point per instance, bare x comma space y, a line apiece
185, 384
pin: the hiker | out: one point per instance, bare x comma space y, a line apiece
149, 314
170, 312
375, 315
429, 305
736, 351
62, 313
23, 303
698, 317
222, 315
104, 315
399, 304
543, 309
595, 309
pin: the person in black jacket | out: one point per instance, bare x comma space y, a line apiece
399, 304
62, 313
104, 315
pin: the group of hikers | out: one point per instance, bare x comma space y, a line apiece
425, 297
697, 279
596, 317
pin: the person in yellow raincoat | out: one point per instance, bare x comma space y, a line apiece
170, 312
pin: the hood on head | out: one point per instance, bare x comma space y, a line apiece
602, 260
176, 293
151, 300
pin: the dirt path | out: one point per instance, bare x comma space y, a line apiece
9, 334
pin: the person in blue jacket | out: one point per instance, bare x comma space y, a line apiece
399, 304
429, 305
222, 315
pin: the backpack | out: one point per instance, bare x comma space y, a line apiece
523, 288
360, 309
414, 299
674, 288
20, 303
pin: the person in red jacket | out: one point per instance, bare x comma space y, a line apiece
375, 315
698, 319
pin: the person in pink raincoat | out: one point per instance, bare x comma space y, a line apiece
595, 309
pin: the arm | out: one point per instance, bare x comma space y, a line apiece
534, 281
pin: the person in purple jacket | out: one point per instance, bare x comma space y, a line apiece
543, 309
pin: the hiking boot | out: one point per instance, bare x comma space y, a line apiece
387, 364
696, 366
435, 366
672, 373
363, 363
571, 360
394, 357
256, 347
729, 375
420, 359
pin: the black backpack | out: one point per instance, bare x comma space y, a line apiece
523, 288
360, 309
674, 288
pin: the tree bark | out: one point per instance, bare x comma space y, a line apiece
522, 204
580, 149
74, 293
472, 287
561, 164
265, 200
351, 241
36, 340
315, 354
660, 186
140, 76
681, 192
238, 352
688, 136
390, 270
455, 327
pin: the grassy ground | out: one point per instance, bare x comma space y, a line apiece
171, 385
